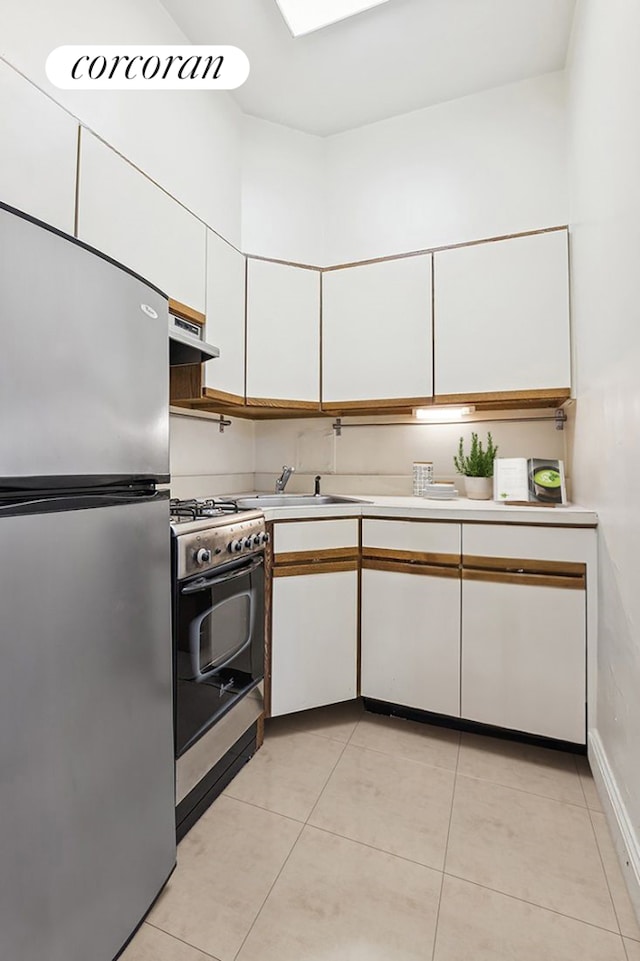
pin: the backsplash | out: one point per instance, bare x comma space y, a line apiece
206, 462
377, 459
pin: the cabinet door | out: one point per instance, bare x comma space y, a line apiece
411, 639
314, 640
283, 332
39, 152
125, 215
376, 331
523, 657
501, 317
225, 316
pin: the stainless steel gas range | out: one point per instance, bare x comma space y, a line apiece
218, 641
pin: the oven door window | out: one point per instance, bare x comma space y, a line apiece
220, 634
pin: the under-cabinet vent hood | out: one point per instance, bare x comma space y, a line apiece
186, 345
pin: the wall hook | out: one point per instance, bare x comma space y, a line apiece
222, 423
337, 426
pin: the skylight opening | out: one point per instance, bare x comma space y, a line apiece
306, 16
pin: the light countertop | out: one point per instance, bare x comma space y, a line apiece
460, 509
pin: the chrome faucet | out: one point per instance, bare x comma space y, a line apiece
281, 482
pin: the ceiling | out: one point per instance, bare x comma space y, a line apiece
396, 57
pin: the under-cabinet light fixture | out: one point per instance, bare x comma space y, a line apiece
436, 414
306, 16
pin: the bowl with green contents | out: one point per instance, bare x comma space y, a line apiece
547, 483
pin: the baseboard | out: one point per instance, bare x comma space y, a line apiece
624, 835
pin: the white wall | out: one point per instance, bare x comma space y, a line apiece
283, 187
488, 164
206, 462
605, 239
378, 459
189, 143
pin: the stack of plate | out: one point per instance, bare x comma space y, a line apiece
441, 491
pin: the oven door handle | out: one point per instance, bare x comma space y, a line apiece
203, 583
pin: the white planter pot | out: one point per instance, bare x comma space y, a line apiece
479, 488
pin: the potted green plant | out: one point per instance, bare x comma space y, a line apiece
477, 467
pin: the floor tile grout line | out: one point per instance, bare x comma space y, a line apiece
605, 872
303, 825
181, 941
266, 898
372, 847
401, 757
534, 904
259, 807
521, 790
446, 848
324, 786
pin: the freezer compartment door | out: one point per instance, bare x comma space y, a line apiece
87, 790
84, 362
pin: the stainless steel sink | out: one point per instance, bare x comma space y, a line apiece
296, 500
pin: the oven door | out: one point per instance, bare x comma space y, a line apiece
219, 630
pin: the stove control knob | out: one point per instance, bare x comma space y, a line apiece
256, 540
248, 543
264, 538
234, 547
203, 556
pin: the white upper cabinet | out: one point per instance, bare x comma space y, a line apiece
376, 331
39, 152
124, 214
225, 315
502, 316
283, 332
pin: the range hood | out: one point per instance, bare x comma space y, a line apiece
186, 345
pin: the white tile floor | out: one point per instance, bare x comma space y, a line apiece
351, 837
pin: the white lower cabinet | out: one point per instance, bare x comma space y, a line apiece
411, 639
524, 657
314, 640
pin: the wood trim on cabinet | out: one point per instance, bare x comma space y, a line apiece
548, 396
518, 565
528, 580
324, 554
411, 557
399, 567
189, 313
330, 567
282, 404
260, 732
435, 250
268, 617
210, 394
375, 404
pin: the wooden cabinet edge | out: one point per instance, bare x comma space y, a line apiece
317, 556
571, 583
411, 557
519, 565
505, 399
404, 567
316, 567
188, 313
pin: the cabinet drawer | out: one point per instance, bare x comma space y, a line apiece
526, 543
320, 535
412, 540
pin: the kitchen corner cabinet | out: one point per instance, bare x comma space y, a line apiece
225, 310
501, 318
410, 614
125, 215
377, 333
314, 627
39, 152
283, 335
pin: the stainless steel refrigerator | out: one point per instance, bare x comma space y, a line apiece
87, 823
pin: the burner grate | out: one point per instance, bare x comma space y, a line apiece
197, 507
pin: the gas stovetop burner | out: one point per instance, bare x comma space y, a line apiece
199, 507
